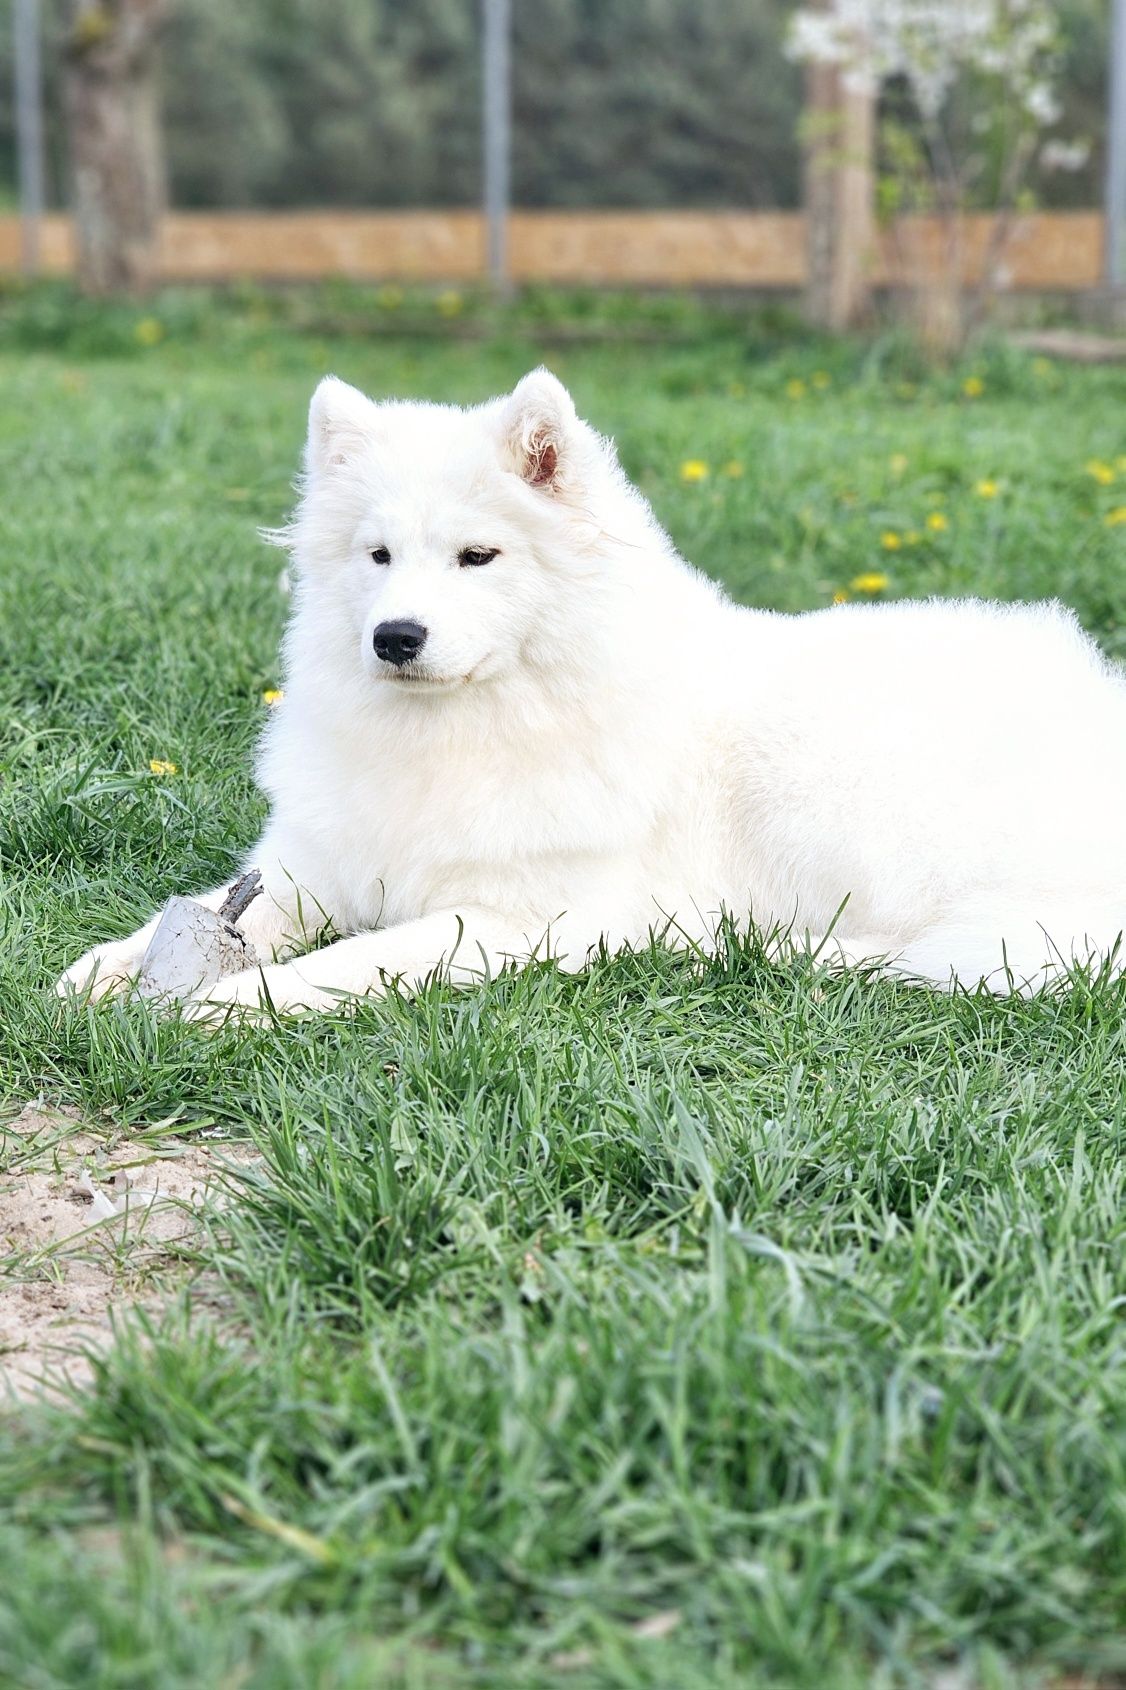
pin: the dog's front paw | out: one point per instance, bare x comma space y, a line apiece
102, 970
257, 994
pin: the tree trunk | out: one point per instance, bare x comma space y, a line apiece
117, 157
839, 129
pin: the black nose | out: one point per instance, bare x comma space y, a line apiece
399, 642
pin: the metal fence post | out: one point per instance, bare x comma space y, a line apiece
29, 127
497, 120
1115, 252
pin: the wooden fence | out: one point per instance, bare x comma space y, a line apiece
1048, 251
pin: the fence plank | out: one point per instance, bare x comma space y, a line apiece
1047, 250
673, 248
56, 247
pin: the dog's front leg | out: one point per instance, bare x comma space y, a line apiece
281, 916
464, 946
271, 921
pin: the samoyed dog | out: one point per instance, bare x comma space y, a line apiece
517, 724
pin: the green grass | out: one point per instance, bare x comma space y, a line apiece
782, 1306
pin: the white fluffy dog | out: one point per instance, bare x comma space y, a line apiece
517, 723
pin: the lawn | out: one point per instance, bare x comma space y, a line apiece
741, 1325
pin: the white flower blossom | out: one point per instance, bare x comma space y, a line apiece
1064, 155
1041, 104
931, 43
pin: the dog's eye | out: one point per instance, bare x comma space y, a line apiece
474, 556
381, 555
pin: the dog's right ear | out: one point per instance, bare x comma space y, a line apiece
340, 424
539, 422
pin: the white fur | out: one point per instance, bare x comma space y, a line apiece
601, 744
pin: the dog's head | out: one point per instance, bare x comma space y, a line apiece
446, 541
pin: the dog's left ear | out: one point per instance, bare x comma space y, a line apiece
539, 429
340, 425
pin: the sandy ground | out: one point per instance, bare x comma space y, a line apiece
92, 1223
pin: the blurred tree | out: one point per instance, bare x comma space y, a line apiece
116, 152
654, 102
338, 102
377, 102
970, 105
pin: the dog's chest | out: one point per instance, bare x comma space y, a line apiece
411, 829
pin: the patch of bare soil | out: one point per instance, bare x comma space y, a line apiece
91, 1224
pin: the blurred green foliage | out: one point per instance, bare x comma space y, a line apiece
617, 103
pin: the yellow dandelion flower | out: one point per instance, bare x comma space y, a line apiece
897, 463
273, 695
821, 379
840, 597
973, 387
1116, 517
733, 469
1100, 472
795, 389
694, 469
158, 766
986, 489
449, 303
149, 331
870, 582
937, 522
891, 541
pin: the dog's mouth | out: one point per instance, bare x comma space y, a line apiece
421, 680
